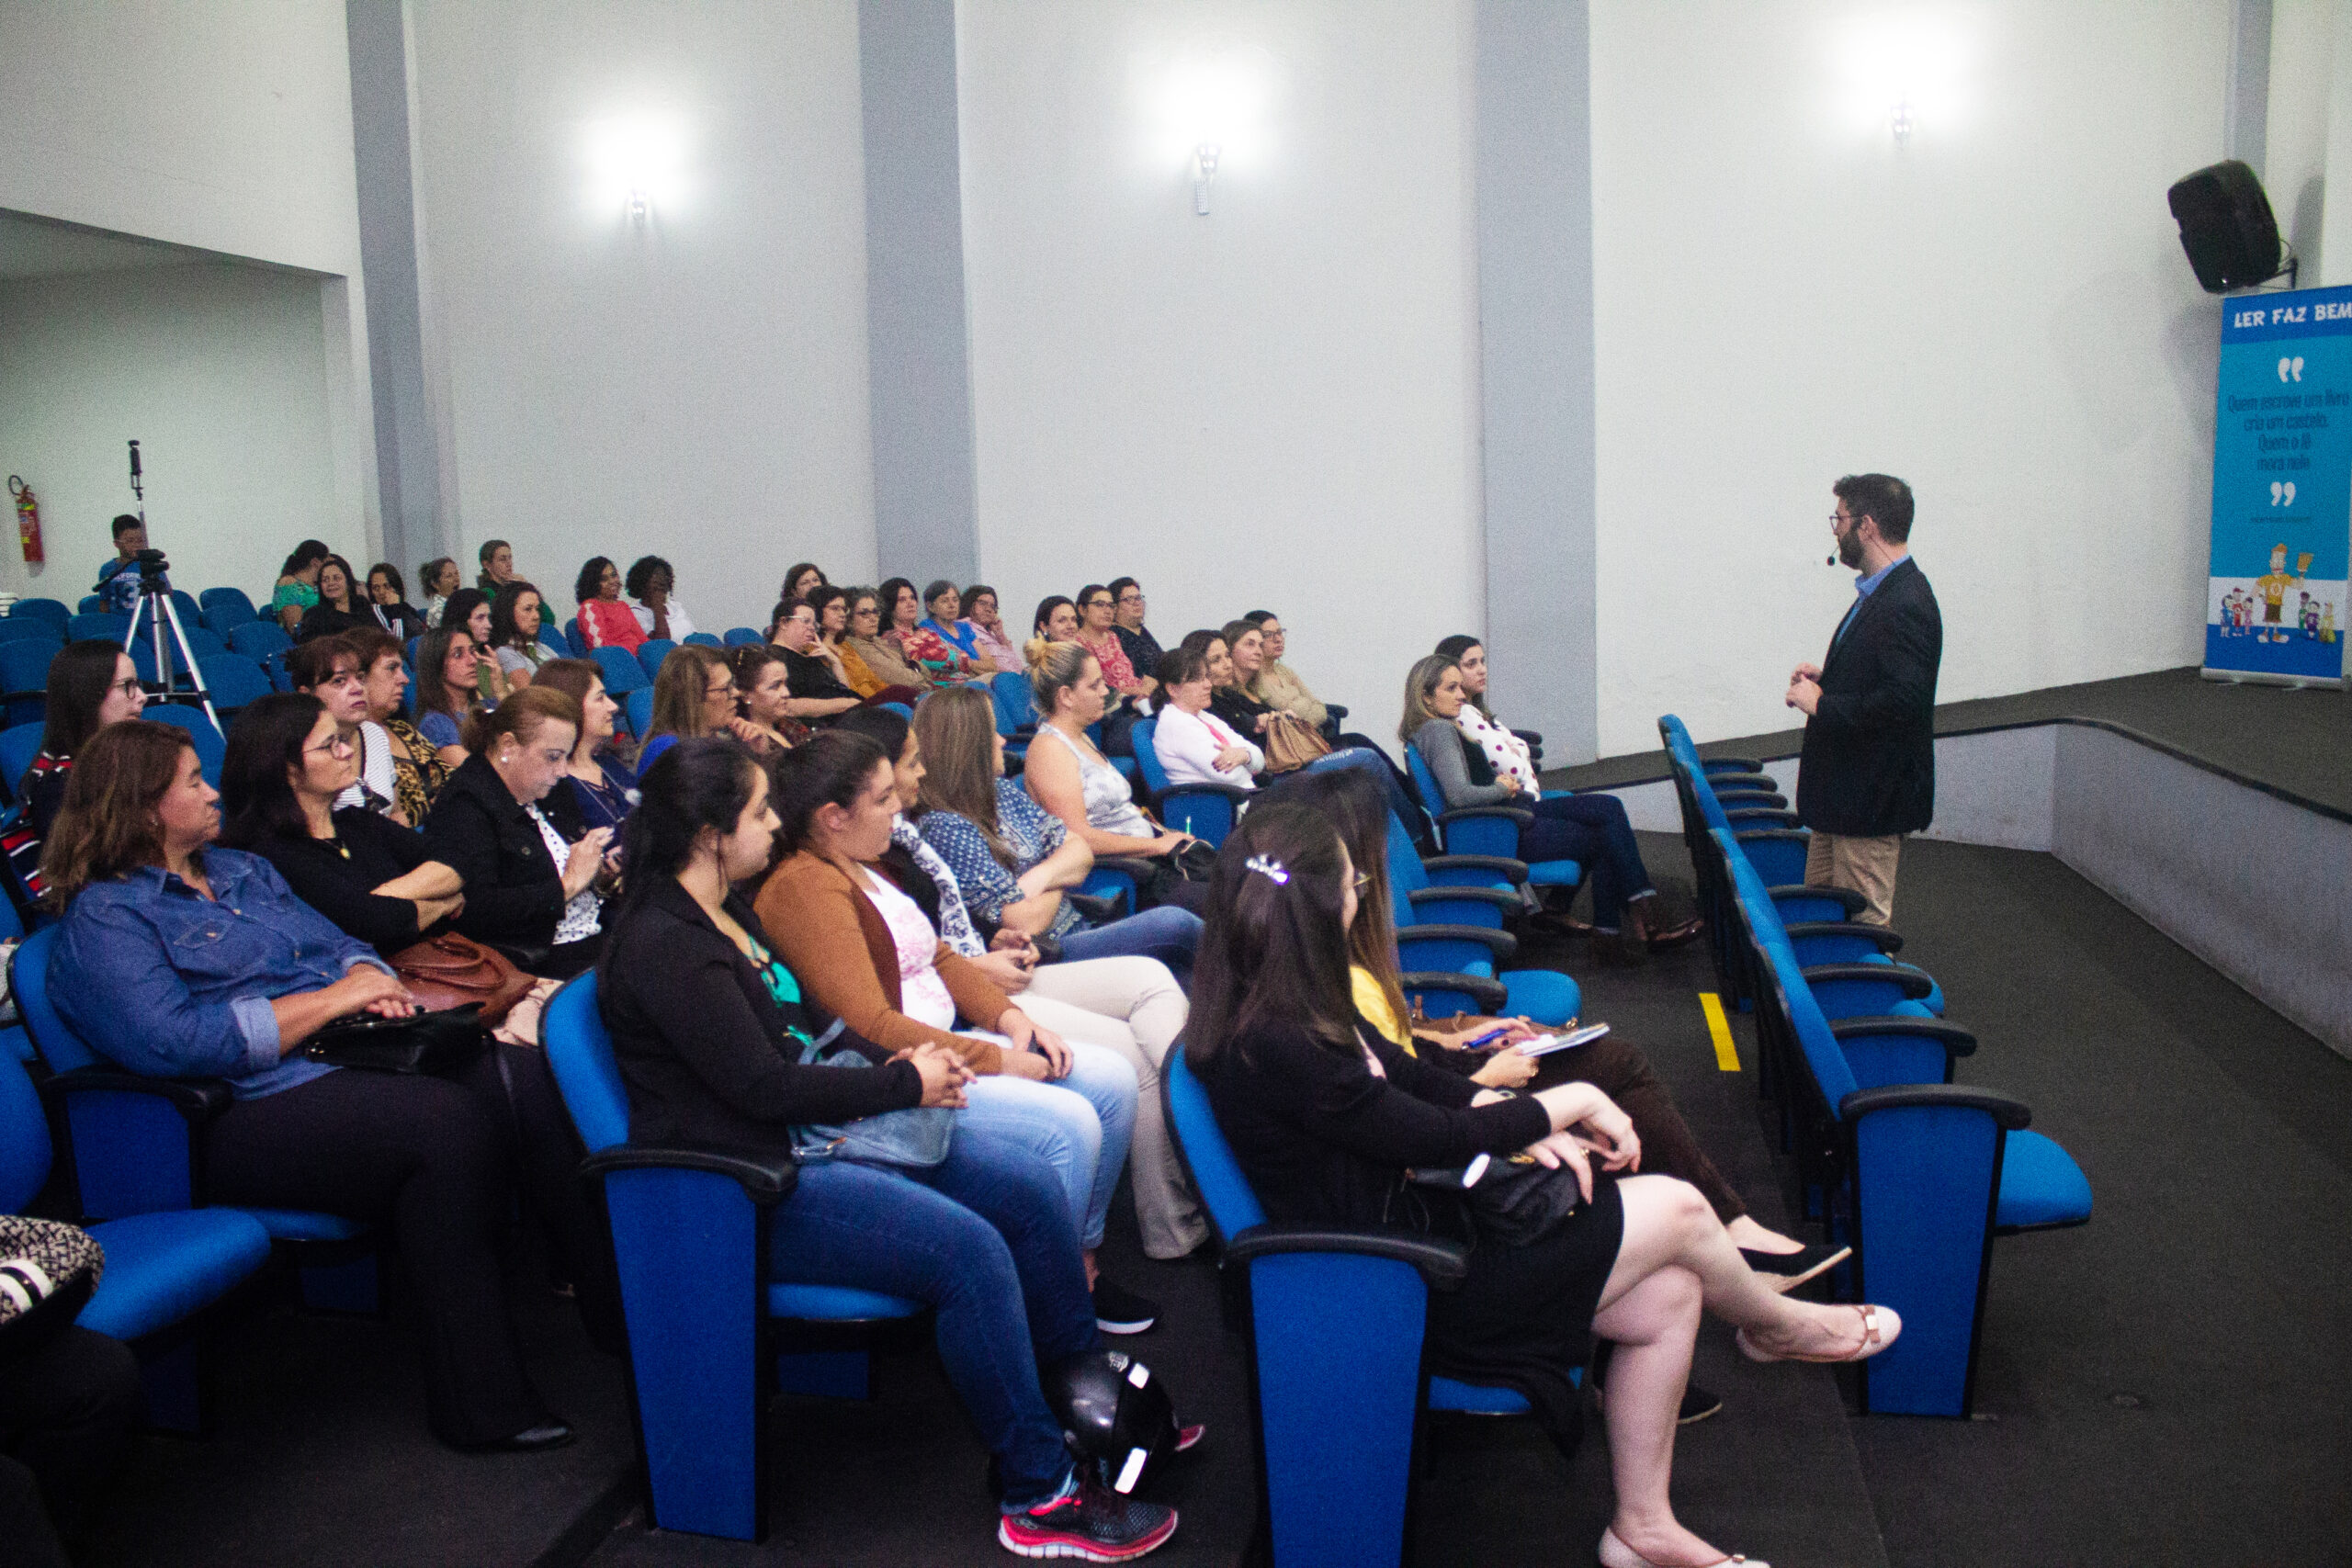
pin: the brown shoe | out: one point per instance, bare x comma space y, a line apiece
1676, 935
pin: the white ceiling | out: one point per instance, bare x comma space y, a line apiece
34, 247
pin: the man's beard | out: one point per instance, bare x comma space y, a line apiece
1849, 547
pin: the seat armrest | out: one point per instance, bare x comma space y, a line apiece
1234, 793
1337, 710
1502, 865
764, 1178
1913, 983
1501, 943
1757, 816
1517, 816
1855, 903
1887, 941
199, 1099
1500, 898
1728, 798
1533, 737
1730, 764
1441, 1263
2013, 1115
1489, 995
1956, 1040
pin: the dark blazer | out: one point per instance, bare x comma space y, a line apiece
341, 888
323, 619
1868, 766
702, 1046
514, 888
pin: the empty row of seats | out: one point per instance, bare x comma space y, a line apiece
1918, 1172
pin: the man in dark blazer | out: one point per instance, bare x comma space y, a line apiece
1868, 775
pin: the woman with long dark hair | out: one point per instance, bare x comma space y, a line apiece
515, 642
341, 607
287, 761
298, 584
1327, 1117
446, 691
871, 957
175, 959
92, 683
468, 611
715, 1046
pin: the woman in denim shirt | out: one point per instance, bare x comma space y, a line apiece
1013, 859
178, 961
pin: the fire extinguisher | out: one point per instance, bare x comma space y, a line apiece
27, 519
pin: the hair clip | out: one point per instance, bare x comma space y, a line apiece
1271, 869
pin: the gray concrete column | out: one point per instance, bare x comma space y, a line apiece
926, 512
1534, 172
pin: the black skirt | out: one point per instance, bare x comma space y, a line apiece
1523, 1316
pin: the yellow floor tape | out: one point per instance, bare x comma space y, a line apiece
1719, 1028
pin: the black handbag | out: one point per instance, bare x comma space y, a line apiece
441, 1043
1195, 861
1515, 1201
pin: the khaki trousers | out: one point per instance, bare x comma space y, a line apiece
1861, 865
1135, 1007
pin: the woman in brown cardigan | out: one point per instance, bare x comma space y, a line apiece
865, 953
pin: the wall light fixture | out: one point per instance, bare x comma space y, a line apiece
1204, 158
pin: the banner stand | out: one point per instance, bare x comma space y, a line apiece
2275, 608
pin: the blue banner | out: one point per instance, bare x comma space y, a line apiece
2282, 489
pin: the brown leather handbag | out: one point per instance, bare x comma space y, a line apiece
451, 971
1292, 742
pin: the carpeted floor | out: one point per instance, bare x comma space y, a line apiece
2165, 1384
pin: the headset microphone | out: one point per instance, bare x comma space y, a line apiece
1830, 560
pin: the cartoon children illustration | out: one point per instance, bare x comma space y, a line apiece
2328, 620
2310, 619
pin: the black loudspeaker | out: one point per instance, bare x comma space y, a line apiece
2226, 227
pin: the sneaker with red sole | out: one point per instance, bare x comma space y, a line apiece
1092, 1523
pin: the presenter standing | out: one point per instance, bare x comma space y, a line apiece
1868, 774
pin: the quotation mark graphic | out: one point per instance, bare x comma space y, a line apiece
2283, 494
2292, 368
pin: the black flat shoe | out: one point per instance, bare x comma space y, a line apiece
1677, 935
1784, 1271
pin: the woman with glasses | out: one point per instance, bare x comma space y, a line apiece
871, 661
980, 610
288, 764
1131, 691
694, 695
92, 683
334, 669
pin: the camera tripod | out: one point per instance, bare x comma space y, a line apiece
157, 607
156, 603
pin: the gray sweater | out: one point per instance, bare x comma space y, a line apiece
1440, 744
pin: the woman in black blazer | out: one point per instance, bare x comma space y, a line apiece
339, 607
532, 868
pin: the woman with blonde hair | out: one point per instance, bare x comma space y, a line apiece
1070, 777
694, 695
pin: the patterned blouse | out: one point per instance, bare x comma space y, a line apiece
986, 884
1118, 670
417, 778
954, 925
927, 650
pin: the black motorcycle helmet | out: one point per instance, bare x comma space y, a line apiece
1117, 1415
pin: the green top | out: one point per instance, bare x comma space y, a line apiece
300, 594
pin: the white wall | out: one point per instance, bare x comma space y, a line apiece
226, 128
1999, 312
1272, 405
696, 389
219, 370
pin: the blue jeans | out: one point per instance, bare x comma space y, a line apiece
1080, 1126
1592, 829
984, 1239
1167, 934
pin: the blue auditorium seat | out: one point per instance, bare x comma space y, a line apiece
740, 636
225, 609
161, 1268
1335, 1322
24, 679
51, 610
623, 674
1208, 811
651, 652
31, 629
688, 1230
1485, 830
